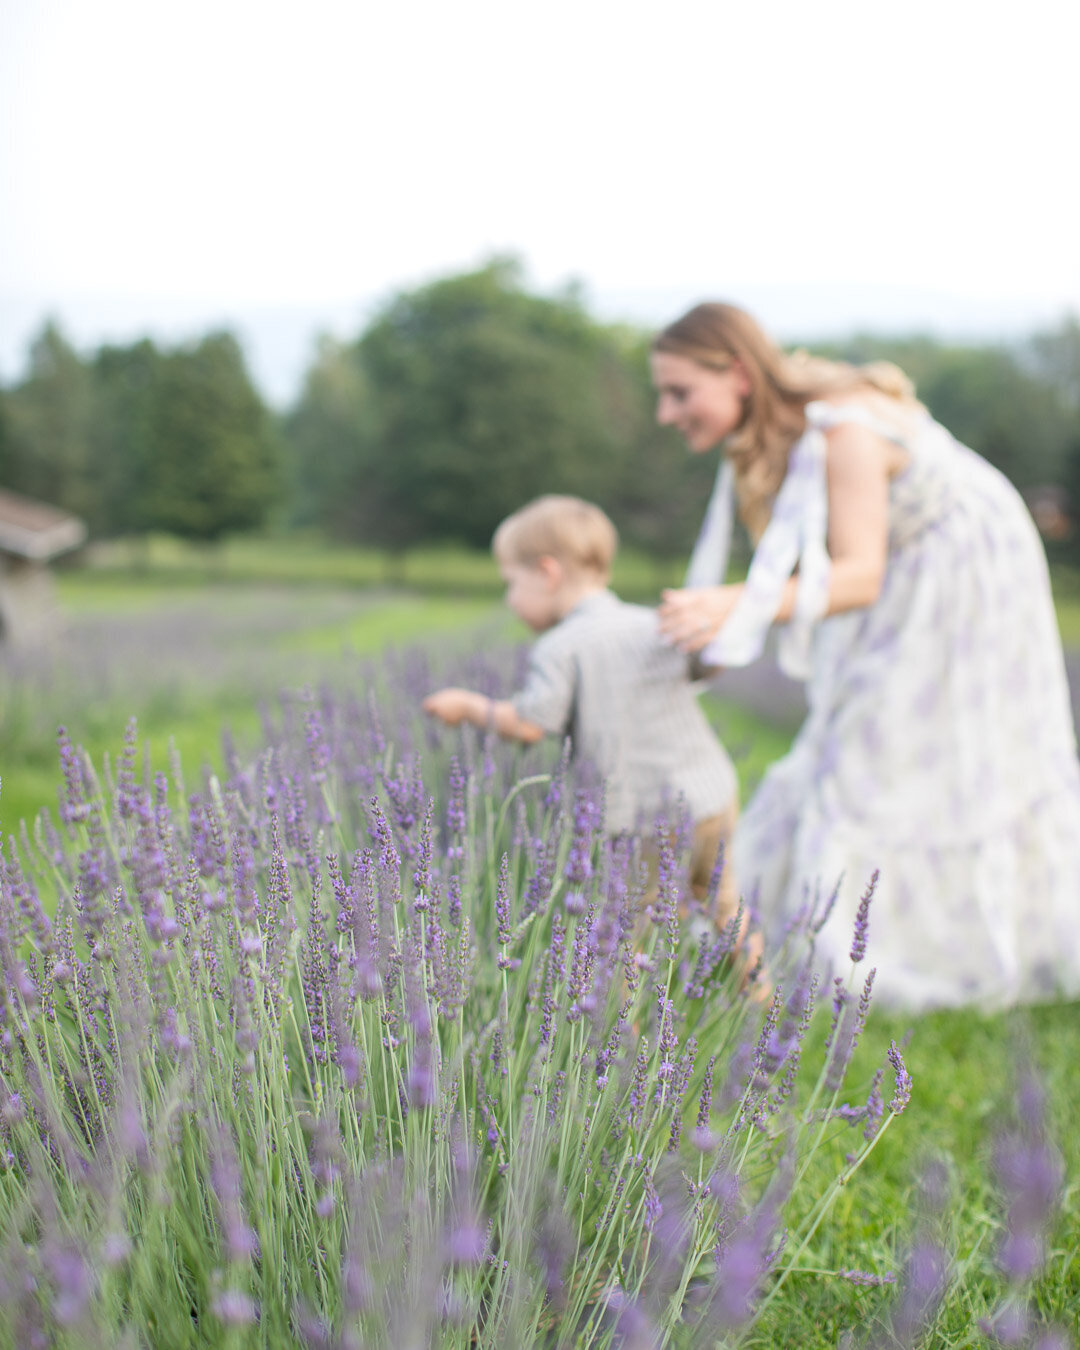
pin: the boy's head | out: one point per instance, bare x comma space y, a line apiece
550, 552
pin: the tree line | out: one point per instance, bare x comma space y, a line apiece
460, 400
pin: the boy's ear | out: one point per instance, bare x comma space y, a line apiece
551, 569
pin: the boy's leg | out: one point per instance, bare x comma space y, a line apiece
710, 835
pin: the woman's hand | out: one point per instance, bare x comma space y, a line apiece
690, 619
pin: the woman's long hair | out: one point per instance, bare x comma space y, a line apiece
715, 336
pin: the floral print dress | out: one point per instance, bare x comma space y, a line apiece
939, 748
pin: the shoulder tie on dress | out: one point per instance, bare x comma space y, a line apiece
794, 537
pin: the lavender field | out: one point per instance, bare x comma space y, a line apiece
344, 1030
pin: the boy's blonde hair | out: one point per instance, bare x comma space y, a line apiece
575, 533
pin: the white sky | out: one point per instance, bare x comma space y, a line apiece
167, 165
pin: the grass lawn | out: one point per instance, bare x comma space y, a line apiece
965, 1068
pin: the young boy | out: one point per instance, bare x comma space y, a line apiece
601, 674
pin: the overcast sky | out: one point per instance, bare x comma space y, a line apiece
284, 168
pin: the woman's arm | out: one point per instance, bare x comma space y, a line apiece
857, 464
462, 705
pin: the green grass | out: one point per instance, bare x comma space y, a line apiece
1066, 583
964, 1066
301, 560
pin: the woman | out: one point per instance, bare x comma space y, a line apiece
939, 749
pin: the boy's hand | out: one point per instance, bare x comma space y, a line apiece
458, 705
462, 705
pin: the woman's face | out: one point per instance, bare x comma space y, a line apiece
702, 404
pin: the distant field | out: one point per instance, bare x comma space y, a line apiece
302, 560
188, 660
190, 656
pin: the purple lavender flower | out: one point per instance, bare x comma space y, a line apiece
74, 805
72, 1280
502, 902
846, 1031
654, 1207
538, 891
748, 1249
234, 1308
588, 816
740, 1270
1031, 1174
1010, 1325
316, 979
453, 900
466, 1242
345, 898
867, 1279
818, 920
634, 1329
421, 1077
901, 1080
422, 879
315, 738
456, 819
553, 798
128, 797
241, 1242
922, 1284
875, 1107
402, 789
839, 1002
862, 921
582, 964
555, 1245
705, 1099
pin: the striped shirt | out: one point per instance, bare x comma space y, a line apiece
605, 677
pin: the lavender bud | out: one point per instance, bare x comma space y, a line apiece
862, 915
901, 1081
234, 1308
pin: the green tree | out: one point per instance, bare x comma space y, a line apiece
1055, 357
5, 441
208, 458
465, 398
49, 418
124, 434
485, 396
329, 434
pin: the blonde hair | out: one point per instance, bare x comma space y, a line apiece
716, 336
575, 533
